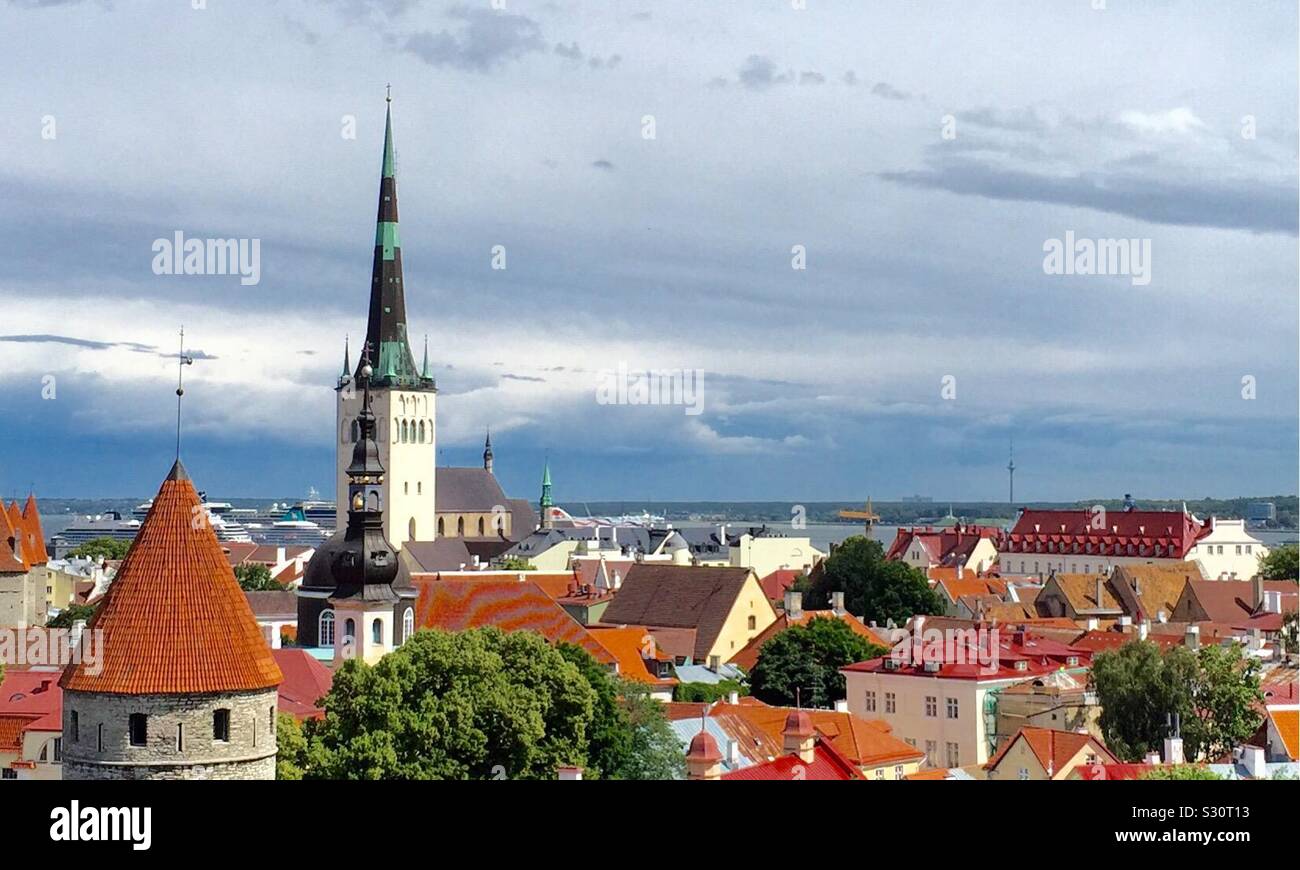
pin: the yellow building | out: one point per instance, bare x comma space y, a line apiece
1042, 753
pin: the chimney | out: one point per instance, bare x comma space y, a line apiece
733, 698
618, 579
798, 736
475, 562
961, 570
1125, 623
715, 663
570, 773
1152, 758
1192, 638
1252, 758
1093, 623
837, 603
793, 604
1257, 592
733, 754
1098, 590
74, 635
842, 705
1173, 750
1143, 628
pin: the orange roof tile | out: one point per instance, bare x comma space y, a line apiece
174, 619
455, 605
556, 584
35, 543
1287, 723
1052, 748
631, 645
865, 742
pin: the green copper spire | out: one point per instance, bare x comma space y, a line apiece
546, 504
424, 371
388, 136
347, 368
386, 330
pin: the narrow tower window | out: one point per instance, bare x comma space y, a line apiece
326, 630
221, 725
408, 624
377, 632
138, 726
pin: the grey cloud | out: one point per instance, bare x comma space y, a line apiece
571, 51
850, 78
485, 40
759, 73
1024, 120
510, 377
887, 91
811, 78
603, 164
91, 344
1190, 201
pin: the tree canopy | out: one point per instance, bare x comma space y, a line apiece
113, 549
874, 587
256, 577
70, 614
1281, 563
1180, 772
1211, 690
482, 704
802, 664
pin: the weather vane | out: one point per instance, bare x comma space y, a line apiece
181, 362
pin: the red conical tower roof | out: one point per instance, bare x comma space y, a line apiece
174, 619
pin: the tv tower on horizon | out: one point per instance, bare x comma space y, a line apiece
1011, 474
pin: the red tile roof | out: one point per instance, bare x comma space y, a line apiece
10, 545
775, 584
827, 764
1287, 723
455, 605
306, 682
865, 742
1052, 748
29, 701
1019, 654
1155, 534
631, 645
174, 619
556, 585
945, 546
1231, 602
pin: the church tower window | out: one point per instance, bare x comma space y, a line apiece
408, 624
326, 628
138, 725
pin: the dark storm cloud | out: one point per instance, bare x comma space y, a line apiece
887, 91
91, 344
1189, 201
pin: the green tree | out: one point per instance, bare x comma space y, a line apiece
71, 614
872, 585
707, 693
1212, 691
113, 549
629, 737
476, 704
806, 659
292, 748
256, 577
1180, 772
516, 563
1291, 633
1281, 563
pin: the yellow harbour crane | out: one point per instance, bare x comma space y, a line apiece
869, 517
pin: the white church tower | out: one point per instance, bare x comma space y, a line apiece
403, 397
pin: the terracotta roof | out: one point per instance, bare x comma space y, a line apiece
1121, 770
34, 539
1231, 602
10, 545
969, 584
775, 584
676, 596
827, 764
455, 605
306, 682
1287, 723
556, 584
1052, 748
865, 742
631, 645
945, 545
174, 619
748, 656
1096, 641
1081, 591
1155, 534
586, 569
238, 552
29, 701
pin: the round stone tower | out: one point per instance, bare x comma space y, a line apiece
185, 685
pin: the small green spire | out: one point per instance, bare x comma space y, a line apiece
347, 368
424, 372
545, 503
388, 136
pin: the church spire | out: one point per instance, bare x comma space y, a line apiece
347, 365
545, 503
487, 453
386, 332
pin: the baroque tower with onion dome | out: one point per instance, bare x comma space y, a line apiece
403, 395
186, 686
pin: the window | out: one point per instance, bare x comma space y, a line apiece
180, 737
52, 751
6, 773
889, 702
910, 741
871, 702
954, 756
271, 719
482, 527
1239, 549
419, 487
931, 751
221, 725
326, 628
952, 708
441, 528
138, 726
1023, 773
75, 721
408, 624
377, 632
880, 773
460, 526
898, 771
99, 738
410, 529
753, 623
406, 487
931, 706
1248, 549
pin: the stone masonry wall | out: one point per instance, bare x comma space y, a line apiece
248, 754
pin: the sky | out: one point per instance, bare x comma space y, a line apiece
836, 213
